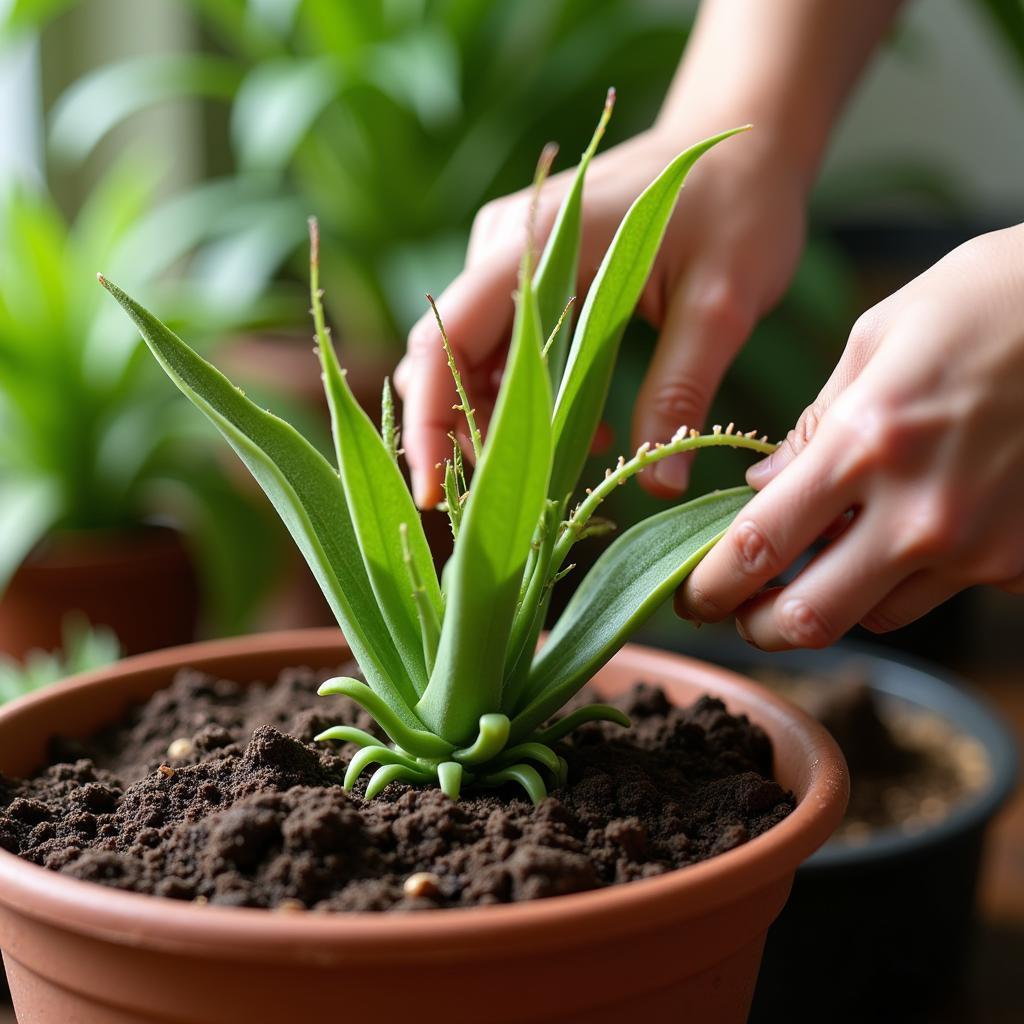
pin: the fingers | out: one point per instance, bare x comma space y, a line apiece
701, 335
777, 526
915, 596
837, 589
861, 345
477, 311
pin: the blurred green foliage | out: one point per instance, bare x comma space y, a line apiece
84, 648
392, 122
89, 439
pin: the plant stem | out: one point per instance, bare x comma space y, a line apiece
388, 430
464, 406
646, 455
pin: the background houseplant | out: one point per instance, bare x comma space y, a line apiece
92, 455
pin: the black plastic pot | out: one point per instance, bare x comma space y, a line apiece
898, 911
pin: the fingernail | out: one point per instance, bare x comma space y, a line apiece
421, 488
673, 474
760, 472
744, 635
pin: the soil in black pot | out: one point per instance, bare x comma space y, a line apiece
909, 767
214, 792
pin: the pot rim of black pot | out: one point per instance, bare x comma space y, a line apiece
914, 681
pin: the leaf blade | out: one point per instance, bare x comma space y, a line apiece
497, 527
626, 585
306, 492
555, 280
610, 303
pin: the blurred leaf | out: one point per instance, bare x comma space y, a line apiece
1007, 20
85, 648
28, 509
25, 15
102, 99
276, 105
420, 70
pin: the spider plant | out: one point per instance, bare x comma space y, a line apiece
452, 673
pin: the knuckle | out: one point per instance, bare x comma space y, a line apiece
677, 401
753, 552
721, 307
932, 529
803, 625
806, 427
871, 435
424, 341
490, 213
883, 620
864, 333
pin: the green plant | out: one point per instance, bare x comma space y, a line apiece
452, 677
89, 439
393, 122
84, 648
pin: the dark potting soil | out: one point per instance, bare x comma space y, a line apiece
214, 792
909, 767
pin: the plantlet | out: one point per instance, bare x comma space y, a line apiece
453, 677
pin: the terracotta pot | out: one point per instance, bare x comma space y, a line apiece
682, 946
140, 583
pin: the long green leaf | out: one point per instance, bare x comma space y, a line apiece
626, 586
380, 505
610, 303
306, 492
505, 502
555, 281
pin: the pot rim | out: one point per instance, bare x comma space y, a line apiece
163, 923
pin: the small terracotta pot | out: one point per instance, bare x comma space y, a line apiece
681, 946
140, 583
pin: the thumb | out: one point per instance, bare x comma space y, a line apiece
700, 337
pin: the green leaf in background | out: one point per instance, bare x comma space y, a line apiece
628, 583
610, 304
84, 648
104, 98
28, 508
304, 489
505, 503
27, 15
276, 105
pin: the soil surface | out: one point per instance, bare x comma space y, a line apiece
908, 766
214, 792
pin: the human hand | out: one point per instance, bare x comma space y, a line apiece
728, 254
911, 458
